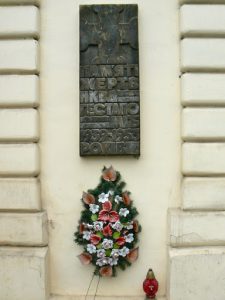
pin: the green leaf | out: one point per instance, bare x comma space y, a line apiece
116, 246
108, 252
94, 218
99, 234
116, 235
99, 246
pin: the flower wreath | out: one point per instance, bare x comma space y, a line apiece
107, 229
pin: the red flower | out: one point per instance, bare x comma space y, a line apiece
126, 198
120, 241
106, 271
109, 174
106, 214
107, 205
107, 231
132, 255
103, 215
85, 258
111, 216
95, 239
88, 198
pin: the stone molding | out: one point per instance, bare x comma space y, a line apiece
201, 2
19, 91
189, 229
19, 160
203, 159
19, 125
210, 125
20, 2
192, 272
54, 297
23, 229
202, 89
193, 20
195, 237
20, 194
23, 270
24, 273
19, 21
19, 56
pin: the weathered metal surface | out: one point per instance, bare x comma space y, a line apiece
109, 80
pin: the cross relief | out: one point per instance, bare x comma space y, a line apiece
110, 32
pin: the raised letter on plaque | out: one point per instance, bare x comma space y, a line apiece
109, 80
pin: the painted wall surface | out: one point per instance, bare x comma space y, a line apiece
153, 179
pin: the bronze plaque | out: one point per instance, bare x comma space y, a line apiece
109, 80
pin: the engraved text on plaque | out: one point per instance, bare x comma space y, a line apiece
109, 80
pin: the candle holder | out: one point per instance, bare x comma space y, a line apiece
150, 285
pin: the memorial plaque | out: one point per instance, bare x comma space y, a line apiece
109, 80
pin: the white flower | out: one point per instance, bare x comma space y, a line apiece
124, 212
111, 192
104, 261
91, 248
114, 262
117, 226
124, 251
101, 253
107, 244
89, 226
101, 262
129, 226
118, 199
129, 238
103, 197
94, 208
98, 226
115, 253
87, 235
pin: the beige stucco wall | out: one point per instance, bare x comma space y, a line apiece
153, 179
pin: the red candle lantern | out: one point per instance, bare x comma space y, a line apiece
150, 285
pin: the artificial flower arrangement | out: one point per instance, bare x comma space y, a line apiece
107, 229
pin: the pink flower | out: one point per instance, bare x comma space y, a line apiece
81, 228
106, 271
109, 174
88, 198
85, 258
132, 255
126, 198
136, 226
